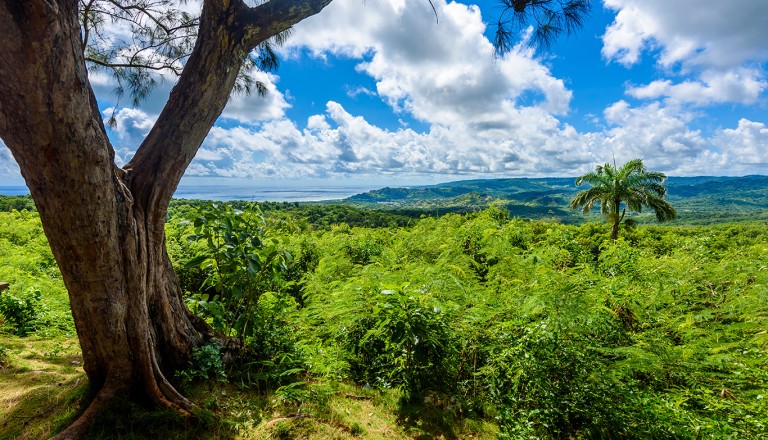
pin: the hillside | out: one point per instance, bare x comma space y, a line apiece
703, 199
698, 200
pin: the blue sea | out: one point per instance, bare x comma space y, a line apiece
13, 191
262, 193
257, 193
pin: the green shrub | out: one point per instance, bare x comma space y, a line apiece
240, 262
362, 250
405, 342
21, 312
204, 364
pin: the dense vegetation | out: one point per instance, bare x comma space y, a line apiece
535, 328
698, 200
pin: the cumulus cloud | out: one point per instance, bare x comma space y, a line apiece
723, 45
658, 134
742, 86
340, 143
746, 146
252, 108
693, 32
440, 73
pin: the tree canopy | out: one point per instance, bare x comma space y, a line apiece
631, 185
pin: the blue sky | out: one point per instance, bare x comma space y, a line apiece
379, 92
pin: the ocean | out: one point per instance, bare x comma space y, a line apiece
258, 193
13, 190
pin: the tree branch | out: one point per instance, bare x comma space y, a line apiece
86, 30
228, 32
149, 14
271, 18
175, 70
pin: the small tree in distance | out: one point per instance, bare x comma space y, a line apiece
632, 185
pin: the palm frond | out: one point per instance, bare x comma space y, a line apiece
630, 184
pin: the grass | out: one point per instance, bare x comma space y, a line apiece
43, 388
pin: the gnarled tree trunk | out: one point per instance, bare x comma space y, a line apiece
105, 223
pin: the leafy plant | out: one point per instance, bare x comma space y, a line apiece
241, 264
204, 364
21, 312
405, 341
250, 290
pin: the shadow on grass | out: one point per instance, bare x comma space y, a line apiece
128, 420
429, 419
36, 404
41, 394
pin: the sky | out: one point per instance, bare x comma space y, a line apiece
389, 92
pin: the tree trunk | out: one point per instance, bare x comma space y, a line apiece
105, 224
615, 218
133, 325
615, 230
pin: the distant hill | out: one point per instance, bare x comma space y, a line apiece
698, 200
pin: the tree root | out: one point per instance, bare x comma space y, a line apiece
98, 405
165, 395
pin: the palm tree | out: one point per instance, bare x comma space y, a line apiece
632, 185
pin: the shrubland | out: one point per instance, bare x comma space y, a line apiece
455, 326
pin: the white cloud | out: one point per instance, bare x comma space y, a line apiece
354, 92
252, 108
743, 86
439, 72
657, 134
339, 143
131, 127
721, 47
746, 146
709, 33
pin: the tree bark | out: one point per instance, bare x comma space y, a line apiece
105, 223
615, 218
615, 230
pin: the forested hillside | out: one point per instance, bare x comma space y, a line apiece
462, 325
698, 200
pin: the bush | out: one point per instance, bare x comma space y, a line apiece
405, 341
21, 312
204, 364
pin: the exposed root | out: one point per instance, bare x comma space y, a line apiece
100, 403
166, 395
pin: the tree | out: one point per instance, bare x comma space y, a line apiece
632, 185
105, 222
546, 18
